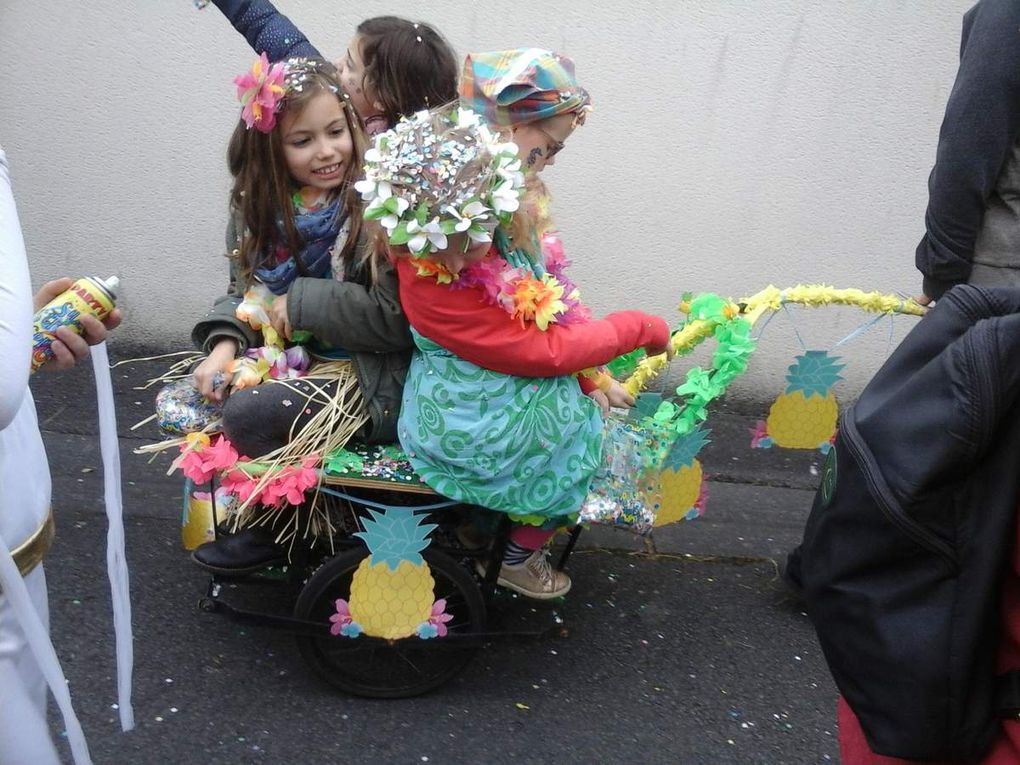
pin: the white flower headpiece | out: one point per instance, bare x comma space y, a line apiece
436, 174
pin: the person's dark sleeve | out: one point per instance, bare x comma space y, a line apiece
350, 315
266, 29
221, 321
980, 127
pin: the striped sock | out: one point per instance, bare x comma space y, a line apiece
515, 554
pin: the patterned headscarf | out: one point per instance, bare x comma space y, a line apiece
515, 87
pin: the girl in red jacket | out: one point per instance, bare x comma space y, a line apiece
493, 413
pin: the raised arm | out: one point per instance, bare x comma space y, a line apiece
266, 29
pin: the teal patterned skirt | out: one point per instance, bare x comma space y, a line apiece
528, 446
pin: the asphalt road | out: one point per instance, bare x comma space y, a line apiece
692, 654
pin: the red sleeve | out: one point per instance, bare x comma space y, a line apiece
461, 322
588, 385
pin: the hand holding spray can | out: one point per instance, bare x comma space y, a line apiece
88, 295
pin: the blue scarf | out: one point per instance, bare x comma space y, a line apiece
318, 230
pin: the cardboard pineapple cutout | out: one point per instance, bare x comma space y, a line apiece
392, 590
804, 415
681, 479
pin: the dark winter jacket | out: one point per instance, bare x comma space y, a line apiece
366, 321
266, 29
973, 218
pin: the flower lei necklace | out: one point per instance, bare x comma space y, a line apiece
543, 298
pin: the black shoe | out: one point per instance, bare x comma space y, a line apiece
249, 550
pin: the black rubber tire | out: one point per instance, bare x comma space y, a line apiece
394, 669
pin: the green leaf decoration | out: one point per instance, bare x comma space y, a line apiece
624, 366
646, 405
666, 411
400, 235
343, 461
708, 307
698, 384
814, 374
686, 448
667, 423
396, 535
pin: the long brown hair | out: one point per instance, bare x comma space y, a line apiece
409, 66
263, 189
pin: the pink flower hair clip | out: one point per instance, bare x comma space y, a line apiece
260, 91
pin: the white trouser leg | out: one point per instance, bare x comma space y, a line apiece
24, 733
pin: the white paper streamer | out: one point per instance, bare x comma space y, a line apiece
20, 601
116, 563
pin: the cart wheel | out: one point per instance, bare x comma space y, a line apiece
397, 668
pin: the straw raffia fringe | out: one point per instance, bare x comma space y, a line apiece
343, 414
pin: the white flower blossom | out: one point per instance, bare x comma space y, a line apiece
391, 221
427, 237
467, 118
473, 212
505, 197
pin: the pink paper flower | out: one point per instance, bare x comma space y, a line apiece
203, 459
552, 248
760, 438
260, 91
241, 485
438, 618
341, 618
219, 455
291, 483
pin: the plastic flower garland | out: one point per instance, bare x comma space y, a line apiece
272, 361
260, 91
730, 323
263, 88
701, 387
439, 174
551, 298
770, 299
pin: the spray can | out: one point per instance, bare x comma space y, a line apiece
88, 295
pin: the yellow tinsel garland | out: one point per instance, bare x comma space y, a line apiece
772, 299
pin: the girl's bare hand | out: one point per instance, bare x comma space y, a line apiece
214, 364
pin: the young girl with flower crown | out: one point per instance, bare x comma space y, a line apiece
493, 412
303, 268
392, 68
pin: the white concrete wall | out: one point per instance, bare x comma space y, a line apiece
734, 143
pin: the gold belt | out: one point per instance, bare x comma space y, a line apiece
29, 554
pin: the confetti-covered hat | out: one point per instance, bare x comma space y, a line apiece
437, 174
515, 87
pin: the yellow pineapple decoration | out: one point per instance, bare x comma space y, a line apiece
681, 479
391, 593
804, 417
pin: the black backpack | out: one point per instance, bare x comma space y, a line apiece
913, 529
